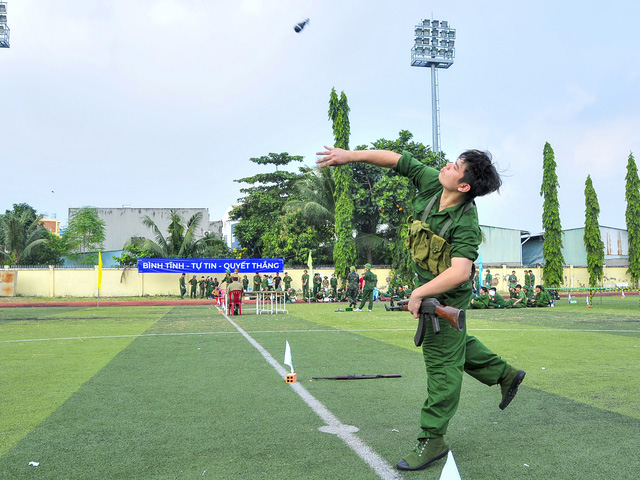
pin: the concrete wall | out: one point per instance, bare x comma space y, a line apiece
116, 282
123, 223
65, 282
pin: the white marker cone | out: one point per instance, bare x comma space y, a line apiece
450, 470
287, 356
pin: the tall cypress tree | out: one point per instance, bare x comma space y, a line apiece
632, 216
552, 249
592, 238
344, 250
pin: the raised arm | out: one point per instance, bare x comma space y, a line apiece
338, 156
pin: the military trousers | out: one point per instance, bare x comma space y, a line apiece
367, 295
446, 356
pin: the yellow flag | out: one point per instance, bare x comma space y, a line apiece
99, 271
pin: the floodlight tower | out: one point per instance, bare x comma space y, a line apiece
434, 48
4, 29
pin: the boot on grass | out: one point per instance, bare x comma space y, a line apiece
427, 451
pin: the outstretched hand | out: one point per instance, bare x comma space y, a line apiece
332, 157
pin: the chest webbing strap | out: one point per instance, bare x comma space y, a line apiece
445, 227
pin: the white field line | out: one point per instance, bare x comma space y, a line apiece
344, 432
329, 330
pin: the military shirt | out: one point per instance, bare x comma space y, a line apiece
463, 235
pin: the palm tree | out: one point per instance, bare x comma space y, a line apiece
20, 233
315, 199
181, 241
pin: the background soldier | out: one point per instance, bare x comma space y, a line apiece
194, 284
305, 285
183, 286
353, 284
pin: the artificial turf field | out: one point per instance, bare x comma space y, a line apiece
179, 392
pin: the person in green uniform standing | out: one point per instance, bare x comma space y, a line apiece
333, 282
513, 279
264, 286
488, 279
256, 282
367, 289
245, 283
287, 281
305, 285
476, 282
532, 280
353, 285
194, 285
526, 279
447, 217
201, 286
183, 286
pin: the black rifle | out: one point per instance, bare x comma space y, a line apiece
358, 377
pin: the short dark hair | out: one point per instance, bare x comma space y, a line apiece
480, 173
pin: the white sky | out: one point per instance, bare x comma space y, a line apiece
161, 103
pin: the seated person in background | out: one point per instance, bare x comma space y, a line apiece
496, 300
481, 301
542, 298
521, 299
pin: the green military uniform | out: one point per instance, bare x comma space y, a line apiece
265, 284
367, 289
527, 279
498, 301
353, 285
476, 282
317, 283
245, 283
305, 285
513, 280
480, 302
194, 284
532, 280
488, 279
183, 286
256, 283
542, 299
201, 286
523, 300
451, 352
287, 281
334, 282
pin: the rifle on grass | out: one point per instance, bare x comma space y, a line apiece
432, 309
358, 377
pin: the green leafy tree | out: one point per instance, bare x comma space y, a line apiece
344, 250
384, 203
21, 234
592, 238
632, 216
552, 248
294, 236
85, 234
263, 203
133, 250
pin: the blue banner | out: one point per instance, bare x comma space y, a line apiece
209, 265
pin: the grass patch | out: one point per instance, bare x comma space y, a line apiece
38, 374
192, 398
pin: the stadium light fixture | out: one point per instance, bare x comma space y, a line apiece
4, 28
434, 48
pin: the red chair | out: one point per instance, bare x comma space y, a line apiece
235, 298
